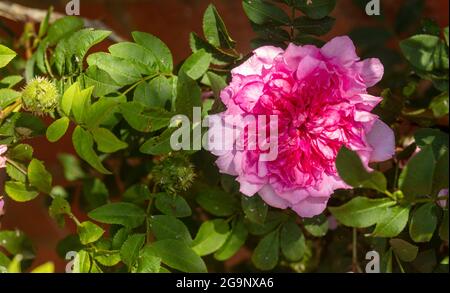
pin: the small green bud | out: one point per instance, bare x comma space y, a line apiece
40, 96
174, 173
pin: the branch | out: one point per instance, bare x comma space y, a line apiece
20, 13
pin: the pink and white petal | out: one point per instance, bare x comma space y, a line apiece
371, 71
3, 149
294, 196
269, 195
340, 49
268, 53
310, 207
307, 66
248, 188
249, 95
381, 138
2, 162
226, 164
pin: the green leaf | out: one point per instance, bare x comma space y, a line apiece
19, 192
156, 94
262, 12
63, 27
306, 25
122, 71
59, 206
15, 242
419, 51
11, 81
82, 262
315, 9
172, 205
435, 138
177, 255
15, 173
21, 152
197, 64
445, 32
120, 237
148, 262
439, 105
234, 242
145, 119
188, 95
138, 193
316, 226
89, 232
137, 54
75, 47
100, 111
9, 96
106, 141
129, 251
255, 209
404, 250
219, 57
292, 241
416, 179
168, 227
393, 223
158, 145
81, 105
6, 55
443, 229
217, 202
210, 237
68, 97
57, 129
160, 51
46, 268
122, 213
362, 212
39, 177
423, 222
273, 220
215, 30
95, 193
84, 146
43, 27
352, 171
101, 81
266, 254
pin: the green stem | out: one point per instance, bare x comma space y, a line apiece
72, 216
356, 267
8, 110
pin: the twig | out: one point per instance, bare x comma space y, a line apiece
20, 13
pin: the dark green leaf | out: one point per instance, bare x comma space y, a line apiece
292, 241
423, 223
266, 254
126, 214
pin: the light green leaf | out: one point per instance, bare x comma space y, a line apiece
39, 177
160, 51
393, 223
316, 226
19, 192
84, 146
122, 71
197, 64
215, 30
57, 129
6, 55
419, 51
106, 141
130, 249
210, 237
137, 54
362, 212
89, 232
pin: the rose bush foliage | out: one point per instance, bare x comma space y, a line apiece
139, 206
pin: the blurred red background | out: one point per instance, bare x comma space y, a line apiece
172, 21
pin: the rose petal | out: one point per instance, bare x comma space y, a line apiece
310, 207
340, 49
269, 195
371, 71
381, 138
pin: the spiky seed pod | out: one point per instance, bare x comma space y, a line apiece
174, 173
40, 96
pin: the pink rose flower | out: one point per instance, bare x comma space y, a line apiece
321, 101
3, 149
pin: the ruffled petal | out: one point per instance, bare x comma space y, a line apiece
269, 195
341, 49
310, 207
371, 71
